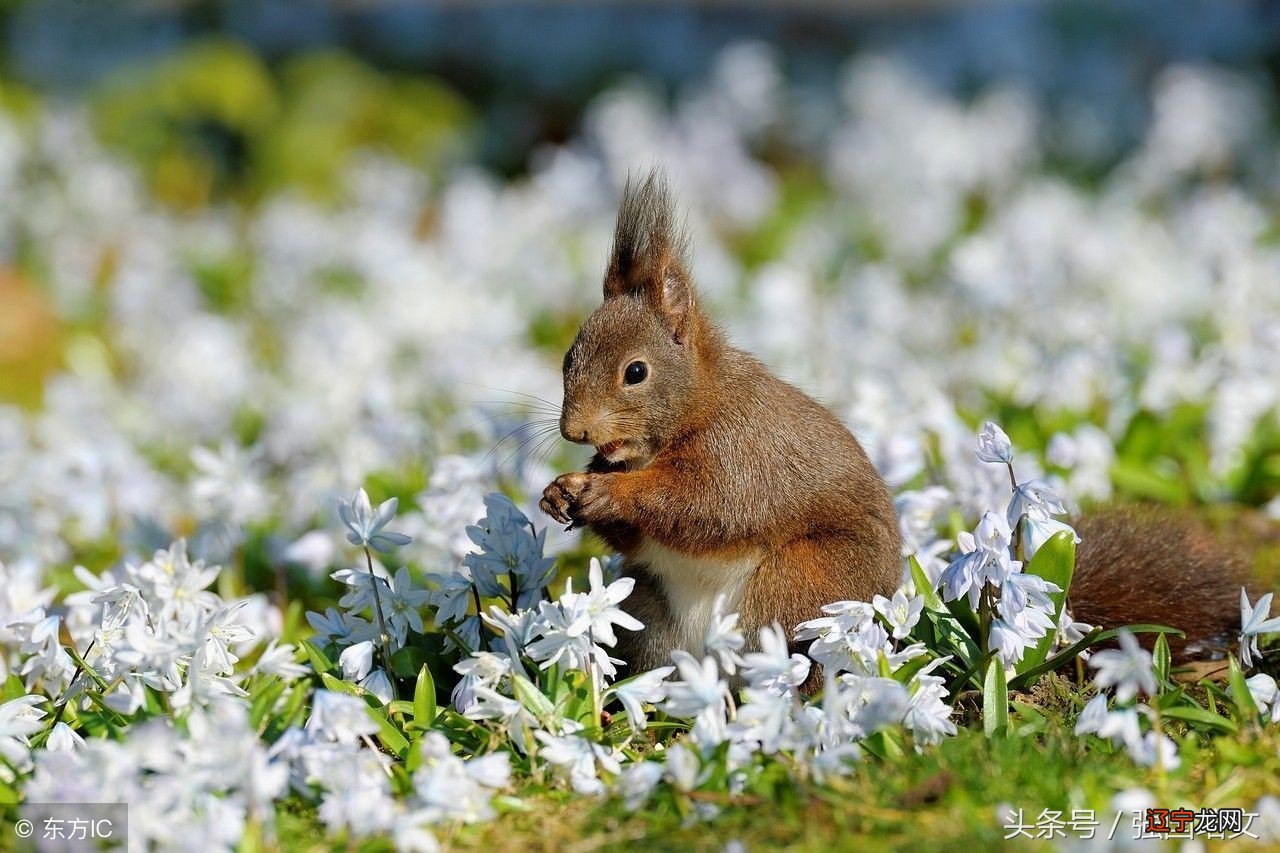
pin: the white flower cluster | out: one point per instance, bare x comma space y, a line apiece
987, 564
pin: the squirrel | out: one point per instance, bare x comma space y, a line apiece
713, 477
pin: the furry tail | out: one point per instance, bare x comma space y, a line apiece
1140, 565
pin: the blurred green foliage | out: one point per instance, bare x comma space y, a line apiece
216, 121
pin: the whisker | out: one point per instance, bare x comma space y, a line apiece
547, 421
524, 427
524, 394
521, 446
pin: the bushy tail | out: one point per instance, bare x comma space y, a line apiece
1164, 567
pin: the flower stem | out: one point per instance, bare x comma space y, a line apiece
984, 626
62, 706
1158, 729
384, 639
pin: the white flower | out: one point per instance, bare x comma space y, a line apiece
228, 483
1007, 641
517, 631
341, 628
774, 668
364, 525
64, 739
1034, 497
509, 550
994, 445
339, 717
1254, 623
379, 685
1094, 715
1265, 693
409, 832
722, 638
1128, 668
637, 782
400, 606
20, 718
1037, 530
1071, 632
597, 611
902, 612
1153, 748
456, 790
279, 659
356, 661
581, 758
699, 688
993, 534
928, 716
647, 687
452, 597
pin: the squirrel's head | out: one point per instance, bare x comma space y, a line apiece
631, 376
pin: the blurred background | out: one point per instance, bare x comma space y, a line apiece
256, 254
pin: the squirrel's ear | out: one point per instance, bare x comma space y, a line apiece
650, 253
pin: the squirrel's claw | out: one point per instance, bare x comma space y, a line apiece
557, 503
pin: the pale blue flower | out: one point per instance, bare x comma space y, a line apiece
994, 445
364, 524
1127, 668
1254, 623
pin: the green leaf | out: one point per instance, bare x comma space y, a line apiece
950, 635
923, 587
1192, 714
13, 688
966, 617
392, 738
533, 699
1161, 660
578, 705
907, 671
424, 699
995, 700
319, 661
406, 662
886, 671
337, 685
264, 700
1056, 563
1240, 692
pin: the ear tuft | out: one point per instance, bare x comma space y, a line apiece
650, 253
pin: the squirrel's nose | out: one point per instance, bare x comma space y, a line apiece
573, 431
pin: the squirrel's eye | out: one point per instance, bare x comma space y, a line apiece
637, 372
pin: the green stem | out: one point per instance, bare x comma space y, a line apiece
384, 639
66, 696
1158, 730
985, 608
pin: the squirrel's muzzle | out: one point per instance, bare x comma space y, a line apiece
575, 428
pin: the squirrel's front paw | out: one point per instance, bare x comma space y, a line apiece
575, 498
559, 497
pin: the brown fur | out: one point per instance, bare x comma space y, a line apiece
1138, 565
720, 458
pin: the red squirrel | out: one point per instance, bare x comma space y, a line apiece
712, 476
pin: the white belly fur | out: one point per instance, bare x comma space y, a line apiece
692, 582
